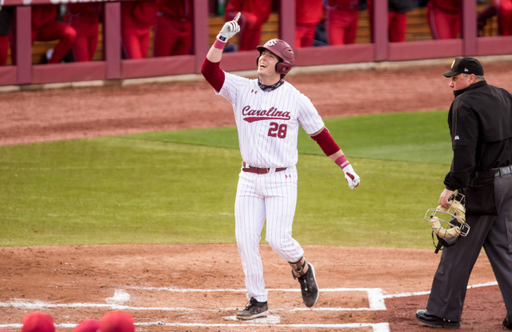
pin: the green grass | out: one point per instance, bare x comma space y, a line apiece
180, 186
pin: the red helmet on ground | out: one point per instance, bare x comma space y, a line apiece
280, 48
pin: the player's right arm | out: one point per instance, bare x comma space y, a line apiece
211, 69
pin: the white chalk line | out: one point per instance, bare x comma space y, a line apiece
377, 327
492, 283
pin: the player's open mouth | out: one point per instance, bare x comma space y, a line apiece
262, 65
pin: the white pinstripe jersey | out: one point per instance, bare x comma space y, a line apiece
268, 122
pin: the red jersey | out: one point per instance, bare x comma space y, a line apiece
260, 8
176, 9
84, 8
448, 5
140, 14
308, 11
42, 14
344, 4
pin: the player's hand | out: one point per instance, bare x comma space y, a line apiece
229, 29
350, 175
444, 199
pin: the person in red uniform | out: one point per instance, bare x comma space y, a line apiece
341, 21
397, 18
173, 29
137, 17
504, 13
444, 18
84, 18
46, 28
6, 16
253, 14
307, 15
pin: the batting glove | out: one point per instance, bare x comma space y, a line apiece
352, 178
229, 29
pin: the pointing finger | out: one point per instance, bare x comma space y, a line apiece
237, 17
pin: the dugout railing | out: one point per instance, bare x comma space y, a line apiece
23, 71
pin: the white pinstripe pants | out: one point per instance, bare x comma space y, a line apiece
271, 196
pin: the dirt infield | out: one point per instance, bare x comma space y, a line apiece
200, 287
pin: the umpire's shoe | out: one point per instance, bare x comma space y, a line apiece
308, 286
507, 325
433, 321
255, 309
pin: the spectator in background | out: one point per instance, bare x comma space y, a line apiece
504, 13
307, 15
38, 321
444, 18
87, 325
45, 27
6, 15
341, 21
173, 29
397, 18
84, 17
254, 14
137, 17
117, 321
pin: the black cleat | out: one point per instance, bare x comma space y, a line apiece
308, 286
253, 310
506, 324
433, 321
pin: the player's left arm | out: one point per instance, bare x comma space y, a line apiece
332, 150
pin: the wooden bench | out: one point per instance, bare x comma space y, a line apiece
417, 30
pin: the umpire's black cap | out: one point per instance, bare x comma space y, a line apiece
465, 65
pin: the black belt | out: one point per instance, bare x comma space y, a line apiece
502, 171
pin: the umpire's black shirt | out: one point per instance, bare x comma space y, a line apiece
480, 121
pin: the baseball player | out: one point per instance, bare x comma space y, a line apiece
397, 18
504, 13
46, 28
341, 18
84, 18
173, 29
253, 13
443, 17
268, 112
307, 15
137, 17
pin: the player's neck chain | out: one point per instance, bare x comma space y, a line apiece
268, 88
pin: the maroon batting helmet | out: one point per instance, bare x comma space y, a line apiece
280, 48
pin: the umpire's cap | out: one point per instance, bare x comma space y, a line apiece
280, 48
465, 65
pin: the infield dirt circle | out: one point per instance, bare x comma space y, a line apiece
200, 287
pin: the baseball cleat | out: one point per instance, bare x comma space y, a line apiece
308, 286
253, 310
433, 321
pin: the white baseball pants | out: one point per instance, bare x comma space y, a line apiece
271, 196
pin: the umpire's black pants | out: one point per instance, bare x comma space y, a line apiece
494, 233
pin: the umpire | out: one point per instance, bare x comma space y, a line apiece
480, 121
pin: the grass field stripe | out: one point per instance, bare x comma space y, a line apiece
487, 284
378, 327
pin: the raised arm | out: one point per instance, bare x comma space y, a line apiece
211, 69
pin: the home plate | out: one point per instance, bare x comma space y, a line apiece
270, 319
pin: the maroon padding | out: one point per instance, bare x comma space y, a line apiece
287, 21
313, 56
8, 75
469, 27
425, 49
68, 72
494, 45
245, 60
112, 39
380, 29
201, 46
161, 66
23, 44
